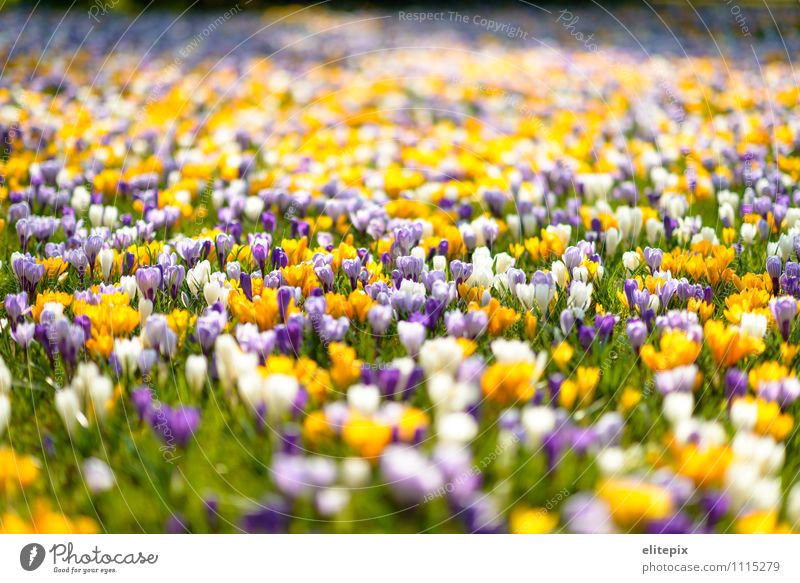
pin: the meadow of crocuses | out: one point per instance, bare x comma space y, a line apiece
310, 271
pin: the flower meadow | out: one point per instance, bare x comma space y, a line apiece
311, 271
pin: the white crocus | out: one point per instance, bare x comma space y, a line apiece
678, 407
543, 294
355, 472
128, 351
580, 273
128, 285
106, 259
280, 393
198, 276
196, 372
503, 261
458, 428
253, 207
748, 232
753, 324
85, 375
525, 295
364, 398
441, 355
68, 407
97, 475
100, 393
631, 260
537, 421
5, 378
654, 229
744, 414
5, 412
793, 505
214, 291
613, 239
560, 273
145, 310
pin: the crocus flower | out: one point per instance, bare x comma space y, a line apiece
16, 306
160, 336
412, 335
736, 383
783, 310
28, 272
544, 290
259, 249
679, 379
380, 318
148, 280
653, 258
637, 333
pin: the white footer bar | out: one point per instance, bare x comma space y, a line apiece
400, 558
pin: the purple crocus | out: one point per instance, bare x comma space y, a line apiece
78, 260
409, 474
223, 245
142, 400
160, 336
584, 513
208, 327
289, 336
774, 269
183, 422
586, 336
572, 258
189, 250
637, 334
605, 325
148, 279
29, 273
783, 310
351, 268
653, 257
736, 383
680, 379
460, 271
92, 248
16, 307
325, 275
271, 517
279, 258
410, 267
69, 339
259, 249
175, 427
23, 334
380, 318
173, 279
678, 523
